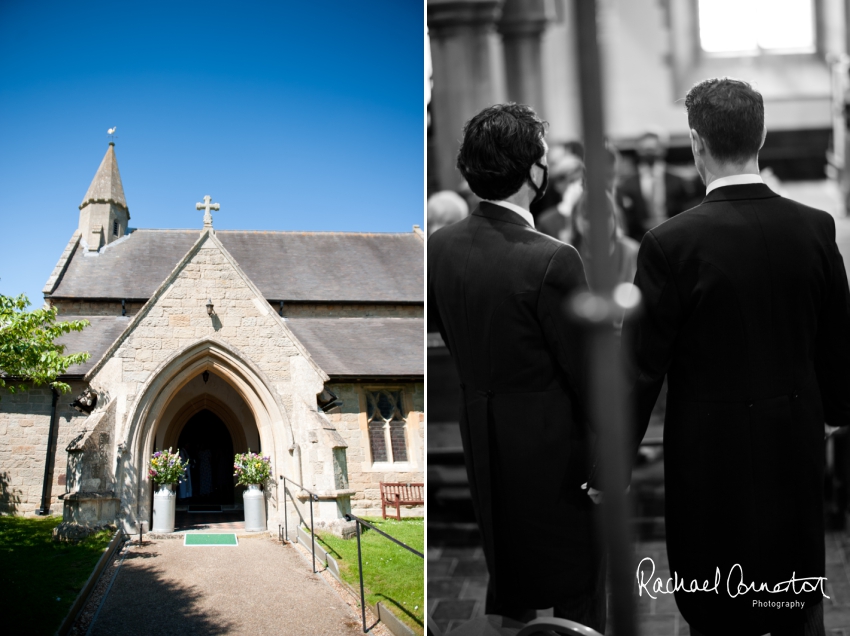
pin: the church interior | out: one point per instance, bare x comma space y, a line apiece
483, 52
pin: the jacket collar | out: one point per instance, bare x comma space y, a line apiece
740, 192
499, 213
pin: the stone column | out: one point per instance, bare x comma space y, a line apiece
467, 71
561, 87
522, 25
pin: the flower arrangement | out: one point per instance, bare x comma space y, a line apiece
252, 468
166, 467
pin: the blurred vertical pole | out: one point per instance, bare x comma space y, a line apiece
607, 383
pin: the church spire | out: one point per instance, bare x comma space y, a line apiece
106, 186
103, 212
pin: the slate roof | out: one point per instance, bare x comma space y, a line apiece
289, 266
364, 347
96, 339
106, 185
361, 347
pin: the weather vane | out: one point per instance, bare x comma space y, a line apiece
111, 133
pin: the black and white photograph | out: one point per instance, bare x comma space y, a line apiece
638, 317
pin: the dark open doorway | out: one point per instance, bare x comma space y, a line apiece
209, 447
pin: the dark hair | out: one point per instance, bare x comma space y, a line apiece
500, 144
729, 115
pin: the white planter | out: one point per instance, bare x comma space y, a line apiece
255, 509
164, 503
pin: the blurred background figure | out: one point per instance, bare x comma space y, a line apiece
622, 248
566, 183
444, 208
653, 194
569, 221
553, 196
468, 195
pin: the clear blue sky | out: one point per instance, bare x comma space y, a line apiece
292, 115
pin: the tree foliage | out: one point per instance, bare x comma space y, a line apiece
28, 351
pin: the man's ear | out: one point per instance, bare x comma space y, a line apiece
763, 137
697, 143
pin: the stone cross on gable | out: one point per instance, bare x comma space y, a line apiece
207, 206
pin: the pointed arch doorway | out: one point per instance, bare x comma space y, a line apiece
237, 391
208, 446
208, 422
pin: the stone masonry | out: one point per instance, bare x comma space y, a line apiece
24, 425
364, 478
175, 319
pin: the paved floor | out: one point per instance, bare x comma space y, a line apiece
257, 588
457, 584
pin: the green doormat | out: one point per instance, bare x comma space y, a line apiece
202, 539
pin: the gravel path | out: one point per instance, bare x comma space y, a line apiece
259, 587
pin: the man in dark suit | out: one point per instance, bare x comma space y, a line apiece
497, 290
747, 313
653, 194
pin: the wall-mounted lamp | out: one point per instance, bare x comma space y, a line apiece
206, 376
327, 400
210, 307
86, 401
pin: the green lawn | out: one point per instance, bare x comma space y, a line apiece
391, 574
40, 579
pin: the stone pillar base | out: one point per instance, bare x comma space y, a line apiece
90, 508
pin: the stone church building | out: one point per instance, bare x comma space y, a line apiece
305, 346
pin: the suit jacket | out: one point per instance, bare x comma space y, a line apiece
747, 312
497, 290
635, 208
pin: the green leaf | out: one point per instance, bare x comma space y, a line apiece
28, 352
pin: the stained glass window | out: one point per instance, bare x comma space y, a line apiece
387, 426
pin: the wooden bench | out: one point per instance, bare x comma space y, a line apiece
398, 495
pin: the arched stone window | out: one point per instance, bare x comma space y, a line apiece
387, 425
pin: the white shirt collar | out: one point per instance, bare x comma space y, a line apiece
513, 207
735, 179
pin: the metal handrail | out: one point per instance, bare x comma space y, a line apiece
352, 517
313, 497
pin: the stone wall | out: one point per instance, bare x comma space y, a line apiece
179, 318
24, 425
172, 325
364, 477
